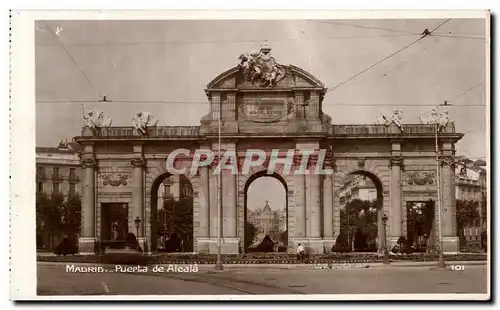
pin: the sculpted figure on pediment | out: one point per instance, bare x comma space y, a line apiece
261, 68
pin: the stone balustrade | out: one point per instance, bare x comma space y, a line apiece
338, 130
382, 130
159, 131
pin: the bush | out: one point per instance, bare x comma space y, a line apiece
341, 244
66, 247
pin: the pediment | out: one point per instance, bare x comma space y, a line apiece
294, 77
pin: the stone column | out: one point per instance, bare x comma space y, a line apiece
300, 202
138, 200
204, 200
86, 243
313, 107
213, 181
299, 105
229, 189
448, 204
229, 203
202, 217
395, 217
328, 238
313, 194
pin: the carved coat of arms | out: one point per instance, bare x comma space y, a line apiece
261, 68
119, 180
421, 178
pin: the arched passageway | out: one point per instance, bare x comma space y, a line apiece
266, 213
361, 201
172, 214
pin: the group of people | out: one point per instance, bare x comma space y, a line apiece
170, 243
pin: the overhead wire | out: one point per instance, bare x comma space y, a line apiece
455, 36
361, 26
206, 103
423, 35
56, 37
464, 92
223, 41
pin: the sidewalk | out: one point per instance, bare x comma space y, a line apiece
210, 267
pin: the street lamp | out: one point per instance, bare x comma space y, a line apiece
386, 253
137, 222
438, 119
218, 263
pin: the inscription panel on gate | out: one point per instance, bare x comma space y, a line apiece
263, 109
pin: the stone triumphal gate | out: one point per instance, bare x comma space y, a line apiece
263, 105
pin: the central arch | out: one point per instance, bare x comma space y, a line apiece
282, 240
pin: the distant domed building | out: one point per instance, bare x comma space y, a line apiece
267, 222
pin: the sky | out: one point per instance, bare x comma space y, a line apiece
151, 61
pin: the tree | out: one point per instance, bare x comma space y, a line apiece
359, 220
72, 216
467, 215
284, 237
48, 215
179, 219
250, 233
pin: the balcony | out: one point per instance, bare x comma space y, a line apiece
57, 177
73, 178
40, 176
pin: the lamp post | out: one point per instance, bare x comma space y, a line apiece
438, 119
386, 253
137, 222
218, 263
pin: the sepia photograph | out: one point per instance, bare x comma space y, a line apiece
246, 157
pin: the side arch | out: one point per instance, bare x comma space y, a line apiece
156, 173
381, 181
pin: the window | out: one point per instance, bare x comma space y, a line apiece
72, 173
187, 192
55, 173
72, 188
40, 173
39, 187
55, 187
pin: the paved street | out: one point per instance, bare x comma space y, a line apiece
53, 279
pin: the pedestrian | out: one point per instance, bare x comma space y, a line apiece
301, 253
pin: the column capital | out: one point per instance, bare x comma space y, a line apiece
396, 161
88, 162
313, 160
138, 162
447, 161
329, 162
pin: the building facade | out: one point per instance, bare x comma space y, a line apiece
357, 187
58, 170
267, 222
264, 105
